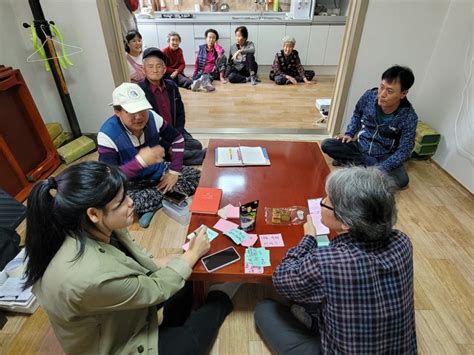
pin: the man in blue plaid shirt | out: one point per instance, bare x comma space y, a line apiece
357, 293
382, 128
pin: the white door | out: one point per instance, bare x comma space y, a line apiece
149, 34
301, 35
269, 42
317, 45
334, 45
187, 42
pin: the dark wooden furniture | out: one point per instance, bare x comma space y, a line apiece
297, 173
27, 153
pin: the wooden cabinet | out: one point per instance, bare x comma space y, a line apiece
27, 153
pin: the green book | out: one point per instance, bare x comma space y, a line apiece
76, 149
424, 149
426, 135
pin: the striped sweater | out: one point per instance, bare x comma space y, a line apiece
119, 147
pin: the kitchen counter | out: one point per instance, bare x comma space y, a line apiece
249, 18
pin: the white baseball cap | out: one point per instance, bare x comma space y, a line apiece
131, 97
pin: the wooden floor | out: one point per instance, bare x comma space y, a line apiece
435, 211
240, 105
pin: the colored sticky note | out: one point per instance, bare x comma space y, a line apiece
315, 211
323, 240
251, 239
257, 257
232, 211
229, 211
224, 225
237, 235
271, 240
250, 269
211, 234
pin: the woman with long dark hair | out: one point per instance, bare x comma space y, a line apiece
99, 289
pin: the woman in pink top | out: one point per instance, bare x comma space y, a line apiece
210, 62
134, 49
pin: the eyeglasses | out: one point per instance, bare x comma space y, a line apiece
322, 204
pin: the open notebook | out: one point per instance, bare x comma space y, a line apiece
241, 156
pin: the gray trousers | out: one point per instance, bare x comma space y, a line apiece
283, 332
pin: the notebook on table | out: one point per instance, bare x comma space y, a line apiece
241, 156
206, 200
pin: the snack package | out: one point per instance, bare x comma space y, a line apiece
286, 216
248, 216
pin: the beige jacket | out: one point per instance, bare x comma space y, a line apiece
105, 302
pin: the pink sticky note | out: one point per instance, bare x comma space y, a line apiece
224, 225
271, 240
250, 269
232, 211
186, 246
250, 240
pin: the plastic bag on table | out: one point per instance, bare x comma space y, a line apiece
286, 216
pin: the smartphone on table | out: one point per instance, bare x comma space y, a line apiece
175, 197
220, 259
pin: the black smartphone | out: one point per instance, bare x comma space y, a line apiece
175, 197
220, 259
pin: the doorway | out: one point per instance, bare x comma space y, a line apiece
265, 109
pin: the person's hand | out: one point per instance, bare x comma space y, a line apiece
237, 54
291, 79
306, 81
167, 182
174, 74
344, 138
198, 246
309, 228
152, 155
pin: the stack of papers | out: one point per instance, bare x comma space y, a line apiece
12, 296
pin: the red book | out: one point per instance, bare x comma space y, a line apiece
206, 200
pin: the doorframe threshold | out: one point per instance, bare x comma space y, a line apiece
263, 131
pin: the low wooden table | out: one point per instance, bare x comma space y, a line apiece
297, 173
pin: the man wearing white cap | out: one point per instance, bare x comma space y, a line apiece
130, 139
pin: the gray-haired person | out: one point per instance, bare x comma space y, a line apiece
356, 295
287, 68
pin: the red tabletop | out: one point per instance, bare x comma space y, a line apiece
297, 173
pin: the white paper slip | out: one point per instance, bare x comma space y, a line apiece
252, 156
